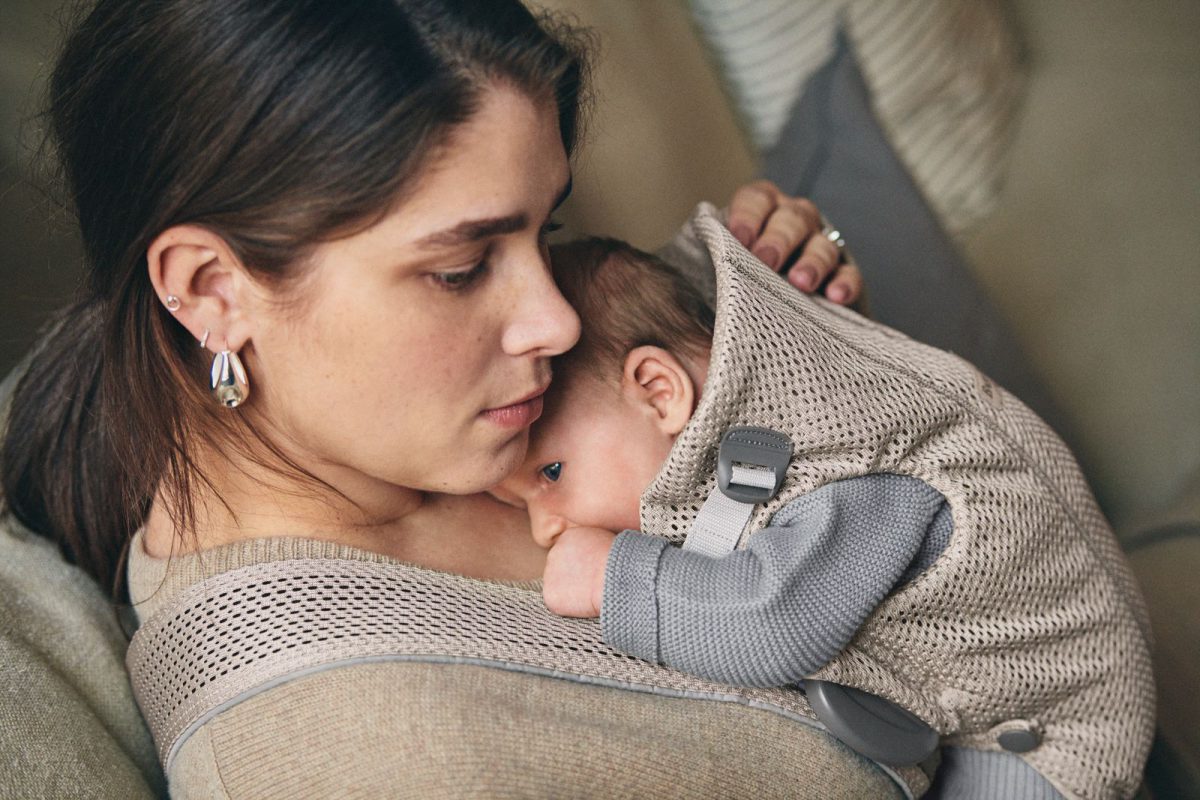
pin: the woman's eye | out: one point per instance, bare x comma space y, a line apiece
551, 472
550, 227
459, 279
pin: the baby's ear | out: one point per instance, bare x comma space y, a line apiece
657, 382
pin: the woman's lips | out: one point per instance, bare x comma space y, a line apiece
517, 415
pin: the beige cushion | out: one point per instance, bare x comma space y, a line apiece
68, 723
662, 136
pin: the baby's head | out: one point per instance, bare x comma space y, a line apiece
620, 396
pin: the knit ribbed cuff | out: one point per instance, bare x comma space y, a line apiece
629, 608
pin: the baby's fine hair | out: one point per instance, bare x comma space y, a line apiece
627, 298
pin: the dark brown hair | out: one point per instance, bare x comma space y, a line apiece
277, 124
626, 298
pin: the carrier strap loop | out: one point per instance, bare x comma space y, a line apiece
751, 465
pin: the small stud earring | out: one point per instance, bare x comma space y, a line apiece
172, 303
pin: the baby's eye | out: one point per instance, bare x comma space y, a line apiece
551, 472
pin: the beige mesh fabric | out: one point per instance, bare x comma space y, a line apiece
1031, 618
225, 639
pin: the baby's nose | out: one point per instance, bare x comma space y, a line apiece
546, 527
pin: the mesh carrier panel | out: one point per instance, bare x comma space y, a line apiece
242, 630
1031, 618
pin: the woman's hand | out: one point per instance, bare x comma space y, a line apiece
785, 232
573, 583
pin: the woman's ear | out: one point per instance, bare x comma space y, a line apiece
207, 285
656, 381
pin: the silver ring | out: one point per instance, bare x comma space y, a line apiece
834, 235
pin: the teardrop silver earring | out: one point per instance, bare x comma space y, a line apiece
229, 382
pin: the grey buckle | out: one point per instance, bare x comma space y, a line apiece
753, 447
877, 728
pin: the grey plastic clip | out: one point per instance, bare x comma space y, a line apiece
756, 447
877, 728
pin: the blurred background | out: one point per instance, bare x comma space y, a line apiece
1080, 220
1091, 252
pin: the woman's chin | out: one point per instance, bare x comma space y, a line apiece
489, 467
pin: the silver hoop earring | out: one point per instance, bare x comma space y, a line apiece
229, 383
172, 303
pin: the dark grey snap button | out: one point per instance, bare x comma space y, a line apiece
1019, 740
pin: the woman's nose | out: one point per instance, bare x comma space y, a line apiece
544, 323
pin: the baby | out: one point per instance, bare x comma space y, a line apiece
932, 544
619, 400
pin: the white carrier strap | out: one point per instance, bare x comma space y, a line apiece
227, 638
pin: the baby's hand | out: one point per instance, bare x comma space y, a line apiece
574, 579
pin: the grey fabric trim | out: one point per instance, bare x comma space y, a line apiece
969, 774
629, 613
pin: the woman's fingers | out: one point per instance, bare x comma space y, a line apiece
820, 263
794, 222
846, 287
785, 233
819, 258
771, 224
749, 209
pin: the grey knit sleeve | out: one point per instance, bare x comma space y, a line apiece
782, 607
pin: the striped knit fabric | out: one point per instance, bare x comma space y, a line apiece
944, 74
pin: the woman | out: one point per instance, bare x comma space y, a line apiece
348, 203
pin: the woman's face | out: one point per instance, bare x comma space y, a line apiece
414, 347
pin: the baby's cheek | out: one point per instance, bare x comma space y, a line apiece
616, 506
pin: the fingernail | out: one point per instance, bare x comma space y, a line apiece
768, 255
837, 293
805, 278
742, 233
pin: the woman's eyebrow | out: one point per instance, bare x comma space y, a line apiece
474, 230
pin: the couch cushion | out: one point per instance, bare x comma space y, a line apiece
68, 723
945, 79
834, 151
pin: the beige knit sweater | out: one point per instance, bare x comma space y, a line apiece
402, 729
